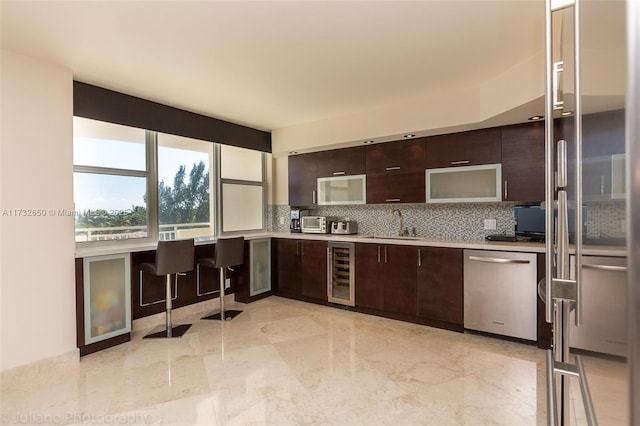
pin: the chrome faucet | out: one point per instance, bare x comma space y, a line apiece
400, 232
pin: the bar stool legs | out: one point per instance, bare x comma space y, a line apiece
172, 257
223, 315
170, 331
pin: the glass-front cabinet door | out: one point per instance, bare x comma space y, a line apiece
107, 296
341, 273
260, 266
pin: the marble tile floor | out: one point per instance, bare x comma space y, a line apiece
284, 362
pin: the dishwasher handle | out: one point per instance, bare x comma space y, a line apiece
498, 260
605, 267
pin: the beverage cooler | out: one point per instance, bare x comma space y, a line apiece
341, 273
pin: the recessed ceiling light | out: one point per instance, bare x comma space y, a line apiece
293, 152
369, 141
536, 117
409, 136
567, 113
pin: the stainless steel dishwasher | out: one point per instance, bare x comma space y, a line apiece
500, 293
604, 303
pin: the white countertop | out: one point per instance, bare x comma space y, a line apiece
100, 249
463, 244
105, 249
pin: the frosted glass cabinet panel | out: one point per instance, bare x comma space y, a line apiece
342, 190
260, 266
107, 296
464, 184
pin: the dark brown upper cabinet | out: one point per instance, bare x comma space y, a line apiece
395, 172
302, 179
399, 156
342, 162
463, 149
523, 175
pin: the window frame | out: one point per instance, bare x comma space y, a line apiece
219, 194
150, 160
213, 213
151, 175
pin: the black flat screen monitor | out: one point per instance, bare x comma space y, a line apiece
530, 221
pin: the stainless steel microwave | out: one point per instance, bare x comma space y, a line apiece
315, 224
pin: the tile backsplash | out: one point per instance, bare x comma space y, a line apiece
459, 221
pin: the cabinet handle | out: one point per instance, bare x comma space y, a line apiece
601, 185
389, 169
385, 254
605, 267
313, 197
506, 192
378, 254
458, 163
339, 173
392, 200
497, 260
297, 247
419, 258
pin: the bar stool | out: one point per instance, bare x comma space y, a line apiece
228, 252
172, 258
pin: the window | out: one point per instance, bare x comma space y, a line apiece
110, 181
243, 189
131, 183
185, 209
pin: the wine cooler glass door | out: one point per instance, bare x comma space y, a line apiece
341, 274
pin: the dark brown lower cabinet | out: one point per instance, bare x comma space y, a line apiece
369, 280
286, 260
440, 285
313, 260
418, 284
300, 268
400, 263
386, 278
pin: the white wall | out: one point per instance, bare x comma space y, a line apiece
522, 84
37, 290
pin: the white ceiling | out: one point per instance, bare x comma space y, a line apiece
274, 64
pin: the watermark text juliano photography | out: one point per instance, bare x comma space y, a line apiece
34, 418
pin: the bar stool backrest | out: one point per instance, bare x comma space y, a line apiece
229, 252
174, 256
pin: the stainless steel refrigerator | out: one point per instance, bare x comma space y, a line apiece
592, 187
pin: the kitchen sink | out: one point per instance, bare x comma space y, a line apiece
386, 237
397, 237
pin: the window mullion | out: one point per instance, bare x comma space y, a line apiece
110, 171
151, 141
217, 184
